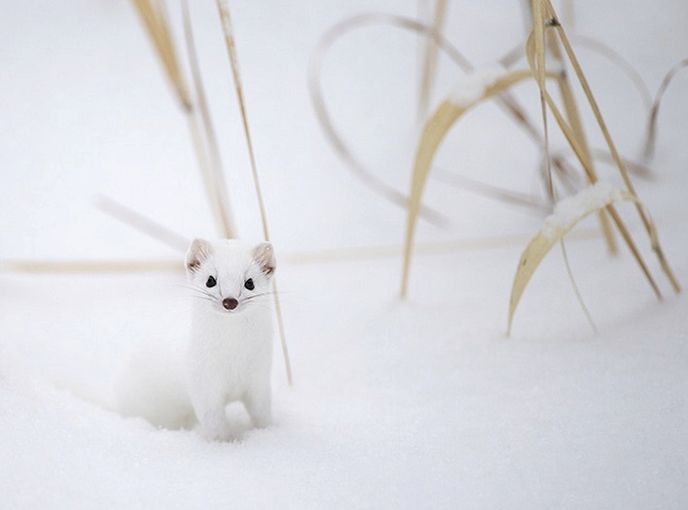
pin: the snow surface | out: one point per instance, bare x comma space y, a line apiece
570, 209
415, 404
470, 87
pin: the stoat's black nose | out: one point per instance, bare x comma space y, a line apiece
230, 303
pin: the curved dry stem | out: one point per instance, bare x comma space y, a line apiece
576, 289
517, 53
651, 138
315, 89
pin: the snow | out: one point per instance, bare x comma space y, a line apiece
472, 86
423, 403
570, 209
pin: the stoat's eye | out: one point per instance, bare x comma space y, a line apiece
211, 282
249, 284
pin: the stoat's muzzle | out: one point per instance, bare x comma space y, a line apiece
229, 303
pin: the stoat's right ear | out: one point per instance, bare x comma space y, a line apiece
197, 253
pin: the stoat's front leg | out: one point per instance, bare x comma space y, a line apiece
258, 404
207, 390
213, 421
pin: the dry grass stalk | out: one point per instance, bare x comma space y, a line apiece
656, 247
225, 17
430, 59
90, 266
538, 12
573, 116
487, 190
638, 169
651, 139
364, 253
432, 136
337, 255
155, 20
223, 204
539, 71
573, 142
539, 246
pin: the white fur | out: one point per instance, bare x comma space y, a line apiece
152, 386
230, 352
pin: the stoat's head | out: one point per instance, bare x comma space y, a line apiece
230, 275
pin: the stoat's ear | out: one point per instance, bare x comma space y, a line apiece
197, 253
264, 255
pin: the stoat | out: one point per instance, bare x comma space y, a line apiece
229, 354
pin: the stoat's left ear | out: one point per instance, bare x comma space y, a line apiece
264, 255
197, 253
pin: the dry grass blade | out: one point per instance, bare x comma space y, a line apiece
432, 136
430, 59
142, 223
154, 18
555, 228
225, 17
592, 177
651, 139
219, 187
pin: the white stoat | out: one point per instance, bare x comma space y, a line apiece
229, 352
230, 348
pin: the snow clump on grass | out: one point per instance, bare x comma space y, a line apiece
471, 87
573, 208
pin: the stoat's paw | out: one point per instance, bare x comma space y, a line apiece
213, 425
215, 434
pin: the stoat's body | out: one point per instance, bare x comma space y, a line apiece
230, 348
